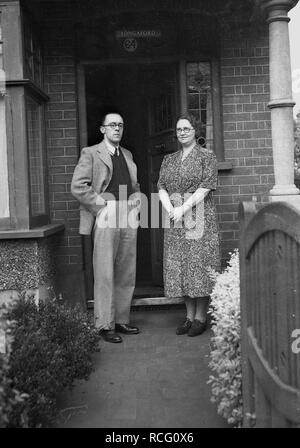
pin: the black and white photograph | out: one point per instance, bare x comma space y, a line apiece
150, 217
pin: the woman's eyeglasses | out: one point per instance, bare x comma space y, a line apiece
114, 125
184, 130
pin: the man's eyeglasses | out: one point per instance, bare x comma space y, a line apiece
184, 130
114, 125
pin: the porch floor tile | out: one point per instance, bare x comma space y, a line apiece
155, 379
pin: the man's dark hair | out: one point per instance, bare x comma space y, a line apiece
103, 118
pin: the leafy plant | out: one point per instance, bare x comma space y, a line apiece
225, 356
296, 151
13, 405
52, 346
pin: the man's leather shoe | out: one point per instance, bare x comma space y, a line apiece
126, 329
110, 336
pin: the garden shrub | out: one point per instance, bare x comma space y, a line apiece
52, 347
13, 406
225, 356
12, 402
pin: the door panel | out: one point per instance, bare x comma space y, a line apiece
162, 107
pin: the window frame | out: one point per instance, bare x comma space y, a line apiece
41, 218
215, 98
34, 90
17, 88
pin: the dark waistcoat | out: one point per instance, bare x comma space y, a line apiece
120, 176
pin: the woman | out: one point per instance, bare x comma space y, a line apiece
191, 241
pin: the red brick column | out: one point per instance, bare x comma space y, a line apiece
63, 144
247, 129
62, 138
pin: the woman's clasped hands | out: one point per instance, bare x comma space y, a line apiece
176, 213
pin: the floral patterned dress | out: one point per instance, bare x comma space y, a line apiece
191, 247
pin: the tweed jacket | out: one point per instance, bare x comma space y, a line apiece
91, 177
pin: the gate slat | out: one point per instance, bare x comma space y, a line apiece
285, 399
268, 318
277, 419
262, 407
262, 313
281, 306
294, 379
296, 356
259, 292
272, 305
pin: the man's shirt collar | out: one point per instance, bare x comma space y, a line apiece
112, 149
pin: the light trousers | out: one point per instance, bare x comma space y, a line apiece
114, 264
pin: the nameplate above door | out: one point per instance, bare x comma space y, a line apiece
131, 40
108, 42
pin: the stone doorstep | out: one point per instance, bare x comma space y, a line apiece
44, 292
149, 301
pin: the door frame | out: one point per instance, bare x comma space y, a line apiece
87, 245
83, 134
182, 61
81, 91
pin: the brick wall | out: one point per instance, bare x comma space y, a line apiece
62, 132
247, 131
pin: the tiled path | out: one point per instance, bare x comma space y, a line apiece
152, 380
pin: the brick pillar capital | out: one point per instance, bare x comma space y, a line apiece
277, 5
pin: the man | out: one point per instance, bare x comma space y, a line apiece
103, 173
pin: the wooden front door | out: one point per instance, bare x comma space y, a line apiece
148, 96
162, 109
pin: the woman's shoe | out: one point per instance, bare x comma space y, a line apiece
197, 328
184, 327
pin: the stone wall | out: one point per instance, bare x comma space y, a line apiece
27, 265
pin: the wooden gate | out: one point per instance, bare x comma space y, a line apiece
270, 314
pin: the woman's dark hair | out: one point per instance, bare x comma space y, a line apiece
195, 123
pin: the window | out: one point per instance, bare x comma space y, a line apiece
4, 193
204, 103
34, 104
23, 194
199, 99
33, 60
36, 155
